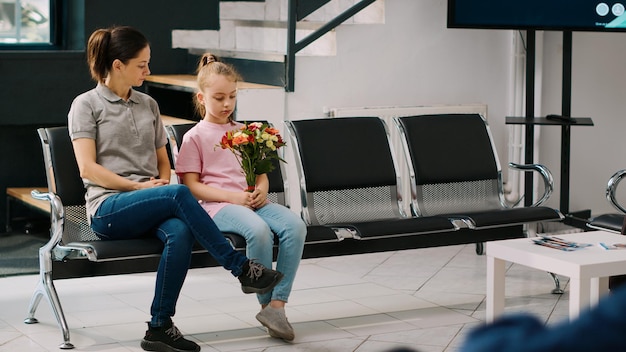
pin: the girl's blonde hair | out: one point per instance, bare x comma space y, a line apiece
209, 65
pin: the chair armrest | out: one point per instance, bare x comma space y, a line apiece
55, 201
546, 175
57, 215
611, 190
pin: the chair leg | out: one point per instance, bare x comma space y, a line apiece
480, 248
557, 284
32, 307
45, 287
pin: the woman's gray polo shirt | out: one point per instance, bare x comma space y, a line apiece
127, 134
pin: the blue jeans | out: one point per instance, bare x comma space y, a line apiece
258, 228
175, 217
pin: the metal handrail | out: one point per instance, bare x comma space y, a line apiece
294, 46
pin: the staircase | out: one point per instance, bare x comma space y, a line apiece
272, 33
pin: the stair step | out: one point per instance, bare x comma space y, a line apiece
254, 35
277, 10
257, 30
246, 39
187, 83
240, 54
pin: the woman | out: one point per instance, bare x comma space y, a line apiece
119, 143
215, 177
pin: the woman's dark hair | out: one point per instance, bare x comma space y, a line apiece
108, 44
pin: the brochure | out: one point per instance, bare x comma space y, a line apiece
559, 243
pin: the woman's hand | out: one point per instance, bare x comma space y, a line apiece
85, 152
153, 182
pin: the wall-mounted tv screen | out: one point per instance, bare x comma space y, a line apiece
575, 15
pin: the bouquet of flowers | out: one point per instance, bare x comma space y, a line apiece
255, 144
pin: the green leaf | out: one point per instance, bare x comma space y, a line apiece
264, 166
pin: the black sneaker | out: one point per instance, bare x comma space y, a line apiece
256, 278
167, 339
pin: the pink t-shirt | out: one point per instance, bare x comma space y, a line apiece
200, 153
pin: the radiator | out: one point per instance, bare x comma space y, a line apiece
387, 113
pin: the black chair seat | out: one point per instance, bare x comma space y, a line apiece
608, 222
511, 216
153, 247
117, 249
314, 234
140, 247
399, 227
237, 241
320, 234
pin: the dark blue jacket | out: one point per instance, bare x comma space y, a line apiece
602, 328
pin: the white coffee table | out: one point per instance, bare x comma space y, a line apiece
588, 269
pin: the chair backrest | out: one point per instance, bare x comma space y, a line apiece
61, 169
64, 180
277, 189
453, 164
346, 169
175, 134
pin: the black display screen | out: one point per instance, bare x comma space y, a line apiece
580, 15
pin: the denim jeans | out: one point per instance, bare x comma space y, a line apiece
172, 214
258, 228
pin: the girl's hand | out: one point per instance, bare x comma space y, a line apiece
258, 198
242, 198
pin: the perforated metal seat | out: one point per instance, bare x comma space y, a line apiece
455, 172
607, 222
349, 182
611, 222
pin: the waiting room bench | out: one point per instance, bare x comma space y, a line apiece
350, 196
75, 251
348, 179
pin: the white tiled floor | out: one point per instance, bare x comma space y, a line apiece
424, 299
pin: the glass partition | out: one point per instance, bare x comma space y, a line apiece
25, 21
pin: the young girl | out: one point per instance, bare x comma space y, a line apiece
119, 143
216, 179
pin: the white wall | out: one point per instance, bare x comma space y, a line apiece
413, 59
598, 91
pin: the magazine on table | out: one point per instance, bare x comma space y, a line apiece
559, 243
